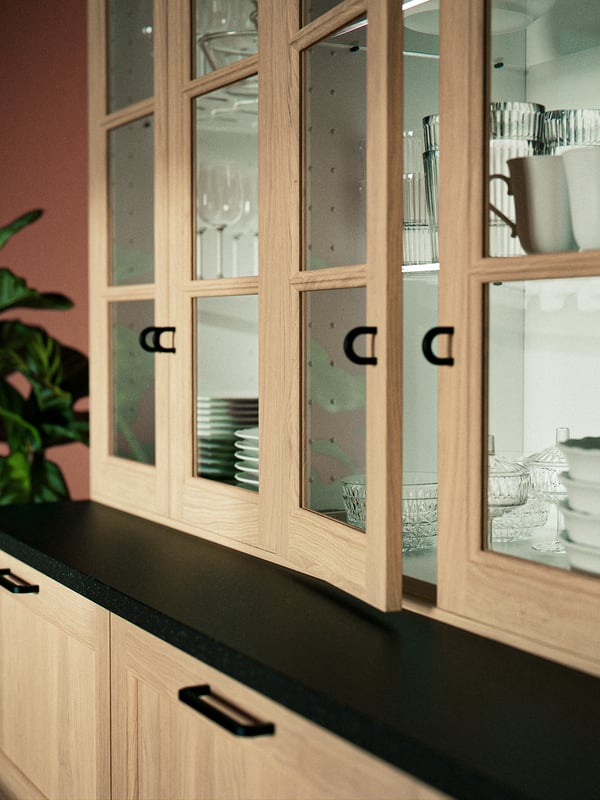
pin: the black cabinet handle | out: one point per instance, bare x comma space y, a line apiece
428, 350
349, 340
192, 696
15, 585
155, 346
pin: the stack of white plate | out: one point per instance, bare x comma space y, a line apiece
581, 510
218, 419
246, 458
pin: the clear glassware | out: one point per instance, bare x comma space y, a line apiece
508, 485
544, 470
220, 201
246, 263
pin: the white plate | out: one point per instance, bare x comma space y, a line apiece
242, 451
580, 556
583, 458
241, 477
246, 469
217, 427
250, 417
248, 433
583, 495
582, 528
240, 395
247, 457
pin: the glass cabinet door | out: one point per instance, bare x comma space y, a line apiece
523, 276
335, 443
215, 274
127, 257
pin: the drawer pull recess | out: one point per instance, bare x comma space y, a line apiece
15, 585
236, 722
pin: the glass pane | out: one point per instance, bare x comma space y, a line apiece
224, 32
227, 389
226, 188
314, 8
131, 198
421, 136
544, 340
335, 97
545, 103
130, 52
420, 290
334, 406
133, 431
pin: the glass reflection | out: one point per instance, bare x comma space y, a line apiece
224, 31
131, 199
334, 407
420, 294
545, 70
335, 141
226, 185
544, 339
133, 399
130, 52
227, 389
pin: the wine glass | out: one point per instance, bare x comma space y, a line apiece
248, 222
220, 201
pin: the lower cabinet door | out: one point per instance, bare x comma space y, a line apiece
54, 689
219, 740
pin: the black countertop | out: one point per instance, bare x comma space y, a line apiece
472, 717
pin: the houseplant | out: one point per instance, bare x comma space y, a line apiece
41, 381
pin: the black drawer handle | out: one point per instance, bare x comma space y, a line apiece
155, 345
15, 585
349, 345
432, 334
192, 696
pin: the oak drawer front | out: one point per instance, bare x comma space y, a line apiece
54, 710
164, 748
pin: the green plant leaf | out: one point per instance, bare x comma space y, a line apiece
30, 351
16, 293
15, 479
20, 222
57, 377
47, 482
16, 427
75, 369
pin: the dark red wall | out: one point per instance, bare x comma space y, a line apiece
43, 164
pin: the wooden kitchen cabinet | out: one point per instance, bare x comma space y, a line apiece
54, 689
164, 748
524, 333
187, 100
326, 265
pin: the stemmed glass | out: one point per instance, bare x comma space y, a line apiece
248, 221
220, 200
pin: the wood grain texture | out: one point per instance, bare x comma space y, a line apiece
548, 611
163, 748
54, 709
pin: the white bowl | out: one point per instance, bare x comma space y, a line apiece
583, 458
583, 495
582, 528
581, 556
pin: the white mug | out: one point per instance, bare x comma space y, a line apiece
582, 168
539, 186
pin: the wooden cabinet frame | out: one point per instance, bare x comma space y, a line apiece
549, 611
272, 523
